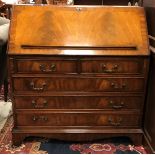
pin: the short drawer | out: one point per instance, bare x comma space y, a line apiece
79, 102
78, 84
57, 66
58, 118
113, 66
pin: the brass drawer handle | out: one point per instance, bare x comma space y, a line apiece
112, 122
116, 86
116, 106
43, 105
40, 118
37, 88
52, 68
106, 70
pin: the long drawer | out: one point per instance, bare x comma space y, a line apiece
75, 84
76, 119
92, 65
79, 102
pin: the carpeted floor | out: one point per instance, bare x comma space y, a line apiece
120, 145
29, 147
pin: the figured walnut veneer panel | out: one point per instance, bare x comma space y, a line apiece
77, 84
62, 30
79, 102
76, 119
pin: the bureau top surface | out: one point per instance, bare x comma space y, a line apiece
78, 30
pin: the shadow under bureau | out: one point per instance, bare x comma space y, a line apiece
78, 72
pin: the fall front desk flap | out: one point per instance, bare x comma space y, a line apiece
78, 30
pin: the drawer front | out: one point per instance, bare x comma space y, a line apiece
46, 66
83, 84
79, 102
113, 66
76, 119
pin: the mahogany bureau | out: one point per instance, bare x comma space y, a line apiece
78, 72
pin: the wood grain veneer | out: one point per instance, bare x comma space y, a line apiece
78, 72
